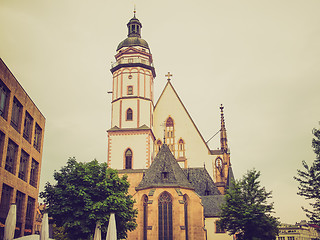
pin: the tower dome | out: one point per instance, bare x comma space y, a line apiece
134, 35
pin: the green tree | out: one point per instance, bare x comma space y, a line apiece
309, 181
86, 193
246, 211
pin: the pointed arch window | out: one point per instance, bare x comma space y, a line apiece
128, 159
165, 217
158, 146
145, 217
185, 200
181, 149
169, 131
129, 114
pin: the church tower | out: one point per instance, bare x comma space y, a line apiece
131, 138
223, 170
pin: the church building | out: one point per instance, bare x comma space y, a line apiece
178, 182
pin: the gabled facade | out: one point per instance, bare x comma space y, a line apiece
177, 181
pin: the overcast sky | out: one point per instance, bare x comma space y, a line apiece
260, 59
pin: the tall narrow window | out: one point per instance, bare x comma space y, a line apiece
37, 137
16, 114
28, 120
34, 173
158, 146
29, 215
1, 145
145, 217
169, 132
185, 200
165, 217
129, 114
128, 156
181, 150
4, 96
24, 159
19, 203
5, 200
130, 90
11, 157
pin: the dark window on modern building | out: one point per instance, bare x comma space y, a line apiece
11, 157
29, 215
19, 203
128, 156
4, 99
1, 145
16, 114
37, 137
34, 173
165, 217
23, 169
129, 114
5, 201
27, 130
145, 217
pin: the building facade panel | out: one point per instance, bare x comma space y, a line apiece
22, 131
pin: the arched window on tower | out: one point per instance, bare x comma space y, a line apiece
181, 149
145, 217
158, 146
129, 114
128, 159
165, 217
185, 200
169, 132
181, 158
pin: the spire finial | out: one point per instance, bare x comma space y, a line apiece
134, 10
223, 132
222, 117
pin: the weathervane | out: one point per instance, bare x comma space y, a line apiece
168, 76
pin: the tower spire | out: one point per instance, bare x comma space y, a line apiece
223, 132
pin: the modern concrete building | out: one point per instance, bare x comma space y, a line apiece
21, 141
299, 231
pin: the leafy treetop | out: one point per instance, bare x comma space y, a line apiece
309, 181
246, 211
86, 193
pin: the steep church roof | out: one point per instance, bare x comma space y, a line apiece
164, 172
211, 205
201, 181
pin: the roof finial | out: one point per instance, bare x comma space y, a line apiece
164, 131
168, 76
134, 11
222, 117
223, 132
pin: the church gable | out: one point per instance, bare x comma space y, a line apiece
183, 132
